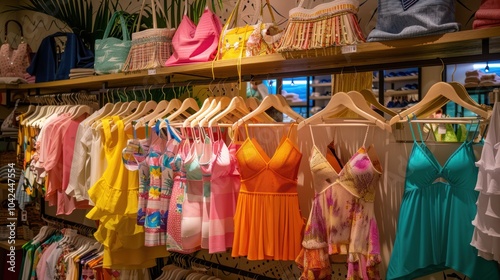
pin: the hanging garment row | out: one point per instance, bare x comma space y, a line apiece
172, 176
64, 254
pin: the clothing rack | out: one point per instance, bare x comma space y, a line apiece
61, 223
185, 261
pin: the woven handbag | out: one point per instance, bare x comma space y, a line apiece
151, 47
195, 43
111, 53
326, 25
13, 62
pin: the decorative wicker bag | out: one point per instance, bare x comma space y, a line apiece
151, 47
249, 40
326, 25
13, 62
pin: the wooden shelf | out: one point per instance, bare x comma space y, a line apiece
327, 97
4, 244
400, 92
428, 50
398, 79
297, 104
321, 85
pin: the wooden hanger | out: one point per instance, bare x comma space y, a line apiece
221, 105
252, 103
272, 100
370, 97
360, 100
237, 107
188, 103
433, 98
342, 100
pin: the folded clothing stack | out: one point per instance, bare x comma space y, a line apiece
473, 78
405, 19
292, 97
81, 72
488, 80
488, 14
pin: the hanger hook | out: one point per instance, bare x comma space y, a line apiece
442, 66
163, 92
187, 89
173, 89
150, 94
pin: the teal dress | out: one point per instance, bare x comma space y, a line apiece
434, 228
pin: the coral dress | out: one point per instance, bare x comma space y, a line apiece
268, 223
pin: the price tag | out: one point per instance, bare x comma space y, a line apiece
349, 49
151, 71
441, 129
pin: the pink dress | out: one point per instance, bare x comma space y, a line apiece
224, 189
175, 209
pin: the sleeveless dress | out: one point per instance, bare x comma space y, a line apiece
154, 234
175, 209
116, 204
224, 188
434, 225
342, 219
268, 223
167, 182
486, 236
192, 211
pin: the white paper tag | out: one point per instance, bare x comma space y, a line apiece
441, 129
151, 71
349, 49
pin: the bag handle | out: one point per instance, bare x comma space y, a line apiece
153, 11
18, 24
111, 23
268, 3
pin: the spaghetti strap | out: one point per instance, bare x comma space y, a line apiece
366, 135
312, 135
246, 130
475, 132
290, 130
172, 132
413, 133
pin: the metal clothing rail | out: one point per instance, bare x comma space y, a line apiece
185, 261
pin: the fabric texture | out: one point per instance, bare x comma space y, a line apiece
487, 14
268, 224
45, 64
342, 219
328, 24
435, 219
486, 236
425, 17
193, 43
111, 53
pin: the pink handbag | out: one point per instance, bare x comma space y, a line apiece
193, 43
13, 62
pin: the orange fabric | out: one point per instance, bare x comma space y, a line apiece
268, 223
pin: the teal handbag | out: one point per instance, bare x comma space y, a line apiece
111, 53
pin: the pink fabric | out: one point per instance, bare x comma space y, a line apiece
485, 23
54, 163
175, 209
47, 158
196, 43
13, 63
488, 14
225, 186
192, 207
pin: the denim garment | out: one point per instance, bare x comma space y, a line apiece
425, 17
